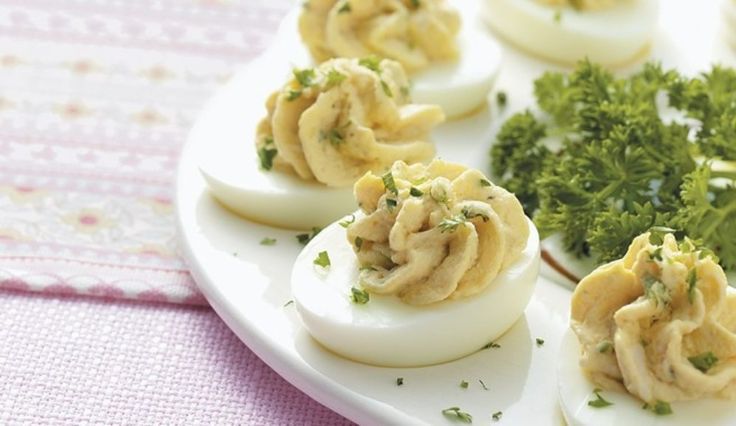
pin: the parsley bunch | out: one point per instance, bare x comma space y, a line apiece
600, 166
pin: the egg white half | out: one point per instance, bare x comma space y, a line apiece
459, 87
388, 332
230, 164
611, 36
575, 390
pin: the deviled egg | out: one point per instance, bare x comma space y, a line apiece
450, 58
659, 325
325, 128
611, 32
436, 264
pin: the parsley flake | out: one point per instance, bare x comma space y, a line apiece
304, 77
305, 238
497, 416
359, 296
604, 346
450, 224
292, 95
501, 99
347, 222
660, 408
540, 342
704, 361
345, 8
358, 243
322, 259
458, 414
391, 204
399, 381
464, 384
290, 302
334, 78
485, 182
692, 280
386, 89
389, 183
372, 63
266, 153
266, 241
599, 401
483, 385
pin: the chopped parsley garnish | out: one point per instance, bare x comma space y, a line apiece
305, 238
415, 3
334, 78
471, 214
660, 408
345, 8
322, 259
656, 291
540, 342
391, 204
347, 222
389, 183
490, 345
458, 414
704, 361
602, 167
373, 63
692, 280
304, 77
266, 241
293, 95
266, 153
359, 296
599, 401
656, 254
464, 384
289, 302
557, 16
485, 182
335, 137
501, 99
497, 416
604, 346
386, 89
415, 192
450, 224
483, 385
358, 243
399, 381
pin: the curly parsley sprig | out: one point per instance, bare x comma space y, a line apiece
599, 165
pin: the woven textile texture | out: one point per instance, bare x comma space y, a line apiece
76, 361
96, 99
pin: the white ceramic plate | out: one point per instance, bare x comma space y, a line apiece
248, 284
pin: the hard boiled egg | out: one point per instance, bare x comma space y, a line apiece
611, 35
575, 391
459, 87
229, 162
387, 332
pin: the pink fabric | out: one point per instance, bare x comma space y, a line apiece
96, 98
73, 361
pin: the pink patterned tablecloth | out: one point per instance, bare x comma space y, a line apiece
96, 98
